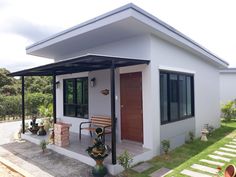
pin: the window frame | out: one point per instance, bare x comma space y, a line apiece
178, 74
75, 91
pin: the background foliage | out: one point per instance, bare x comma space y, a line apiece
38, 92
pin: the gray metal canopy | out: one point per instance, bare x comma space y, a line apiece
88, 62
84, 63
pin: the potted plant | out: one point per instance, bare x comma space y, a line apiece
99, 151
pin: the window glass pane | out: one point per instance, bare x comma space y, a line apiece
82, 98
79, 91
163, 97
69, 92
173, 97
76, 97
182, 96
85, 91
189, 96
82, 110
69, 110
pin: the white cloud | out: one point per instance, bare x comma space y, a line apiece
210, 23
13, 55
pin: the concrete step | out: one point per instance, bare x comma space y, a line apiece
205, 168
228, 149
232, 142
219, 158
225, 154
212, 162
193, 173
230, 145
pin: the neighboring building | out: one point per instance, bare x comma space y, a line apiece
166, 85
227, 85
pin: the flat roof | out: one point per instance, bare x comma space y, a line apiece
162, 26
89, 62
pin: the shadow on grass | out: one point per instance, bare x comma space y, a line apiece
187, 151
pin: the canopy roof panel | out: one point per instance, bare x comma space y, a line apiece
89, 62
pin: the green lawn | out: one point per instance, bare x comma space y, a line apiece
190, 153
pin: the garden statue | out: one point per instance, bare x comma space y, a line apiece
99, 151
34, 126
204, 134
41, 131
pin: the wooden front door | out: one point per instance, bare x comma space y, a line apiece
131, 106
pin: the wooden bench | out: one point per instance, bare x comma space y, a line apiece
95, 122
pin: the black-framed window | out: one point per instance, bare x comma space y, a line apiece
76, 97
176, 96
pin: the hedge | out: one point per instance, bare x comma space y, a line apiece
10, 106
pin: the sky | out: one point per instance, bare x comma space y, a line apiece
211, 23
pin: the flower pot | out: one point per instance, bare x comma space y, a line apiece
41, 131
99, 170
230, 171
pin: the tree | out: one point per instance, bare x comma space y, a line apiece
38, 84
8, 85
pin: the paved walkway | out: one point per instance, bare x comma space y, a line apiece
208, 167
29, 158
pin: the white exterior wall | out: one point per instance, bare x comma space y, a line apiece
227, 87
136, 47
206, 87
162, 55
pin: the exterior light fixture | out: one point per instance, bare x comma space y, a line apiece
93, 82
58, 84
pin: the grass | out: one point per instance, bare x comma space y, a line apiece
190, 153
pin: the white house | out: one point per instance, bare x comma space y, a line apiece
227, 85
166, 85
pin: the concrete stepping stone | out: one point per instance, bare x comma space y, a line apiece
232, 142
219, 158
212, 162
225, 154
230, 145
228, 149
205, 168
142, 167
161, 172
193, 173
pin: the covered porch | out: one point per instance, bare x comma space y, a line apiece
86, 63
76, 150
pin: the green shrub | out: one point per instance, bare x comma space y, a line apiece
10, 106
228, 110
191, 135
43, 145
165, 146
35, 100
125, 160
46, 111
